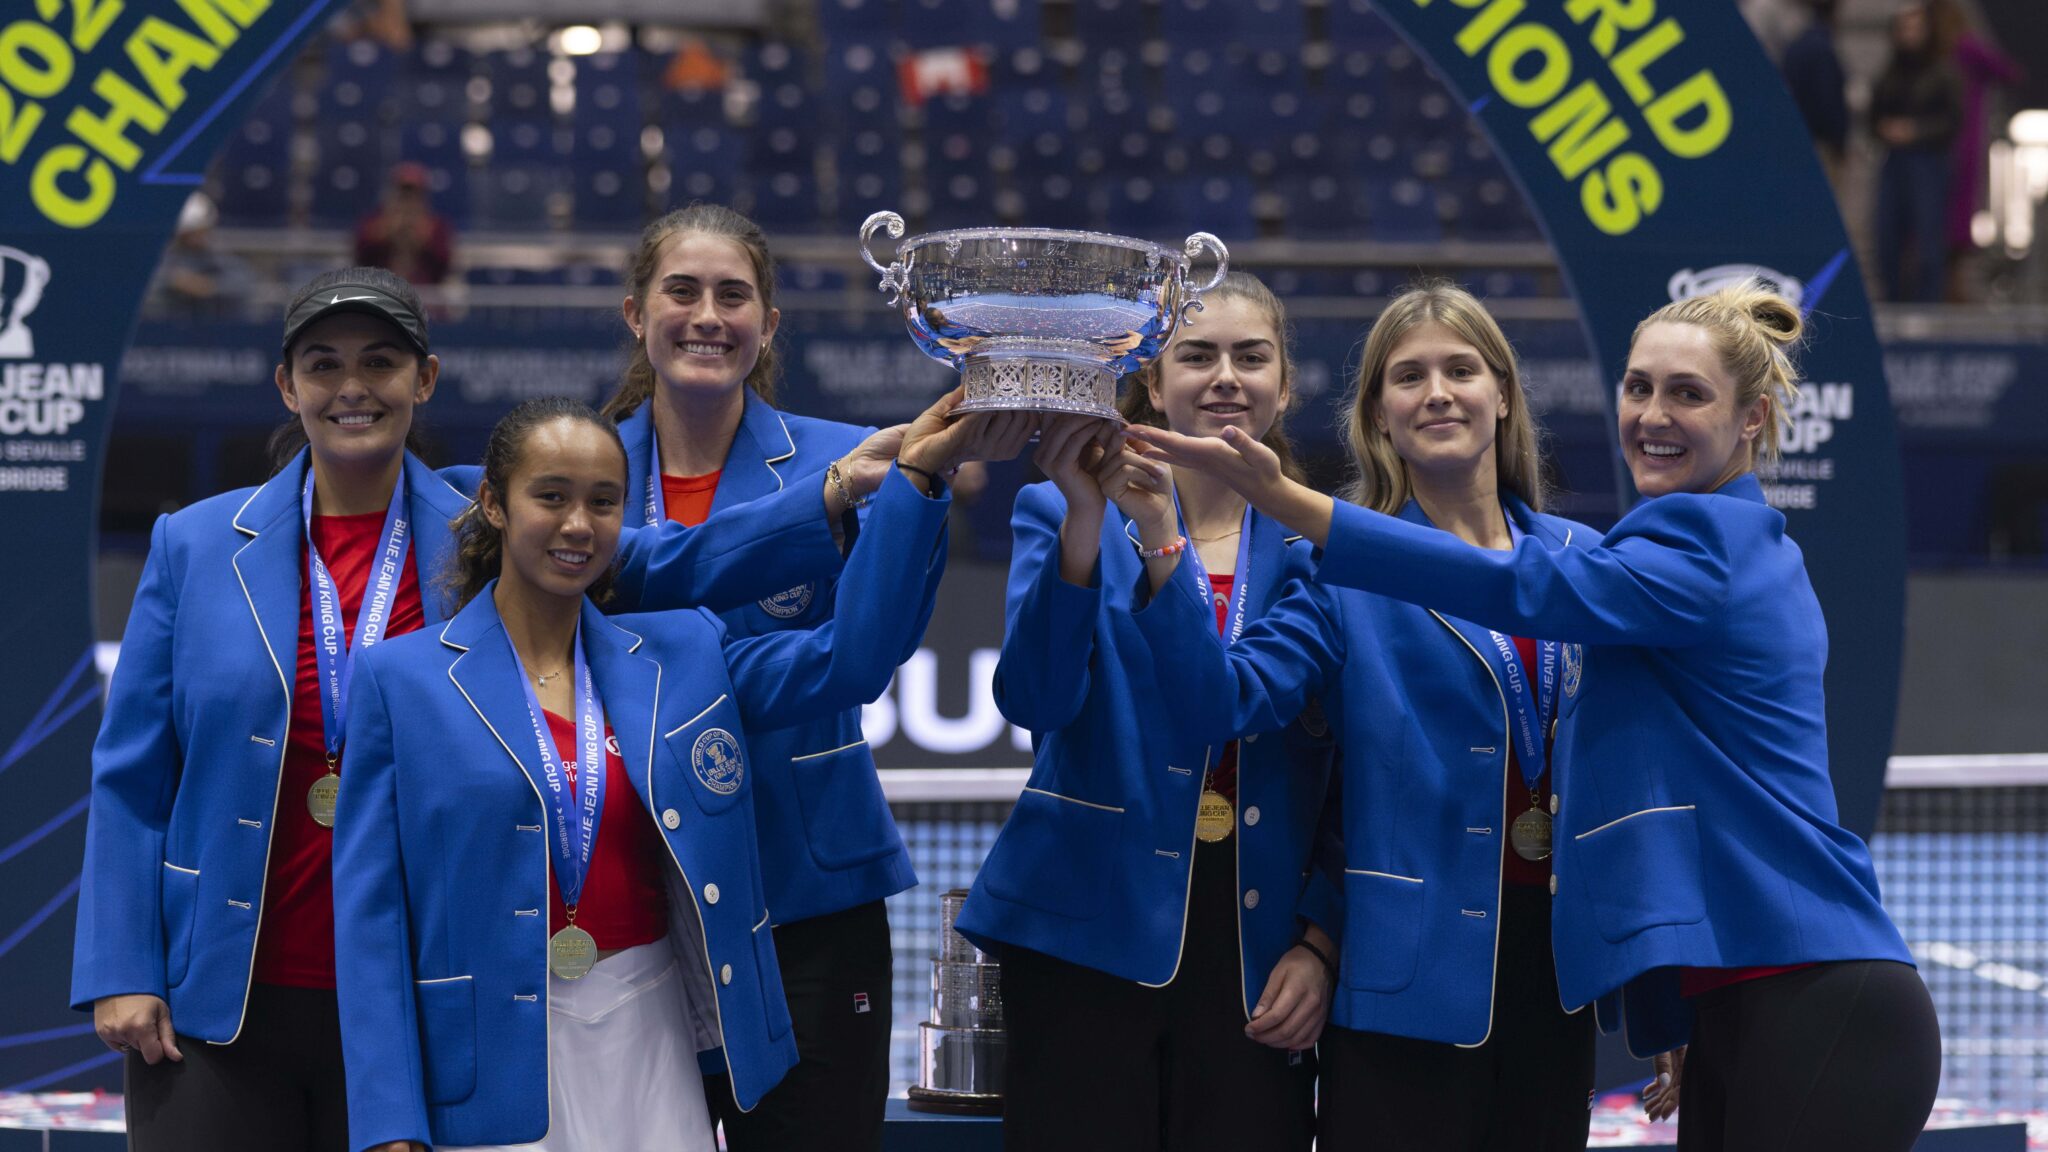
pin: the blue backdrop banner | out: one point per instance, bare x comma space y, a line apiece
1658, 146
109, 113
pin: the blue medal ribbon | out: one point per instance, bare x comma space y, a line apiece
336, 663
657, 500
1528, 704
1241, 582
574, 802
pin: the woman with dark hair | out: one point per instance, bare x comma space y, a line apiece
547, 895
205, 938
703, 437
1166, 968
1699, 870
1916, 111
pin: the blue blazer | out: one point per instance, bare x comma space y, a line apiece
1095, 862
1421, 717
828, 842
441, 857
1696, 820
191, 745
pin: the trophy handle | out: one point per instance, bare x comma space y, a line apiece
893, 281
1197, 244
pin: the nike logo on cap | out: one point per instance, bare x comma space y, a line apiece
340, 299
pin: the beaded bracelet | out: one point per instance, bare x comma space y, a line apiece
838, 481
1179, 545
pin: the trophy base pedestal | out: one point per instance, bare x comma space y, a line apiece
954, 1103
1025, 384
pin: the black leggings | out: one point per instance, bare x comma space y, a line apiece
1524, 1090
1838, 1056
277, 1088
1097, 1063
836, 971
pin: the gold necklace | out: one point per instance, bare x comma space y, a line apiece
542, 681
1214, 539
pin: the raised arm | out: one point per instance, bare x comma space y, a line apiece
1042, 677
1256, 685
380, 1040
1658, 579
784, 678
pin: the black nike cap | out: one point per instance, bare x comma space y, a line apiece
365, 298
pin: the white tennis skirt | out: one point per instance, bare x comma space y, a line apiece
622, 1068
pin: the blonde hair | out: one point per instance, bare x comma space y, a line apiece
1753, 329
1379, 475
1136, 402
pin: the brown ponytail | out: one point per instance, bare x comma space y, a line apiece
637, 385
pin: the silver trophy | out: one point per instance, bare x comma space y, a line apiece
1041, 319
961, 1048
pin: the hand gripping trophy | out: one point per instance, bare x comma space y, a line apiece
1040, 319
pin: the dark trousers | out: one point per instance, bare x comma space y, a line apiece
1912, 206
1834, 1057
1099, 1062
836, 971
1526, 1089
277, 1088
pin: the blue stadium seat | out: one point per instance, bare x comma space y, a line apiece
349, 175
608, 92
1218, 202
256, 165
433, 83
1110, 21
1353, 23
946, 23
1401, 210
784, 200
706, 161
1326, 205
518, 83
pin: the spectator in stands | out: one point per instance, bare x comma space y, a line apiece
405, 234
1914, 112
384, 21
197, 281
1814, 73
1980, 65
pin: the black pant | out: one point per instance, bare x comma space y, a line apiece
277, 1088
1838, 1056
1526, 1089
1098, 1062
836, 971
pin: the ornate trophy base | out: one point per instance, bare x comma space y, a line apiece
967, 1061
1039, 385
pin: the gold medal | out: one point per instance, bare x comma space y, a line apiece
1530, 835
322, 797
1215, 818
572, 953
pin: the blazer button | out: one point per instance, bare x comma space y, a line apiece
1553, 803
1251, 738
1251, 816
671, 820
725, 974
1251, 898
711, 893
1553, 883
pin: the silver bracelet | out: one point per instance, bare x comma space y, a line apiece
837, 479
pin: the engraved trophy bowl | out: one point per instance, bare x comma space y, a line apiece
1040, 319
961, 1048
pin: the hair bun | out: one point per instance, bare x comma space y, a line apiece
1775, 317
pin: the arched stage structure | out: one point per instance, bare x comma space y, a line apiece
1654, 141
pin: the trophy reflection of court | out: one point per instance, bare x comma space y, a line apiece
1040, 319
960, 1049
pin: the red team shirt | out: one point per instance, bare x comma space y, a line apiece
295, 945
623, 902
687, 499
